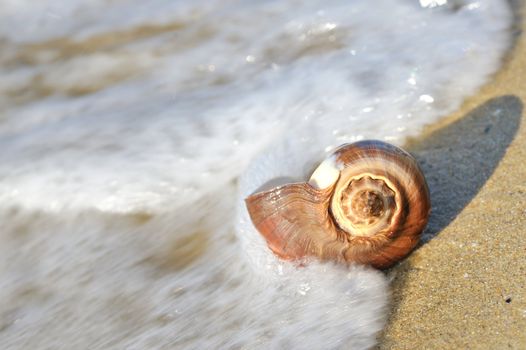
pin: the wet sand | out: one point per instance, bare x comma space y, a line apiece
465, 286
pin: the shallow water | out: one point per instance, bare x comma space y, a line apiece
131, 131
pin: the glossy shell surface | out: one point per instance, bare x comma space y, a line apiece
367, 203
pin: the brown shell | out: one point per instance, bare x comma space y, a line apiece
368, 204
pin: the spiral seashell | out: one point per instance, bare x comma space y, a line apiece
367, 203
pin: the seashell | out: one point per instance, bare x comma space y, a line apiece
367, 203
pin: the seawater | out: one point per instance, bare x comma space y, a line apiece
131, 131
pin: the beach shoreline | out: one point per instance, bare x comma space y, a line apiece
464, 287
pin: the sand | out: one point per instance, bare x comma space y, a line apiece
465, 286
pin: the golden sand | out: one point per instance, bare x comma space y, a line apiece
465, 287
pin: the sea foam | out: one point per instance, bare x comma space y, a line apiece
131, 132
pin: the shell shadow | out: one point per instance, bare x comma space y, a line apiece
458, 159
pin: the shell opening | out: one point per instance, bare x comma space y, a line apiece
368, 204
365, 207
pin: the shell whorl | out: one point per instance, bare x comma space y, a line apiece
367, 203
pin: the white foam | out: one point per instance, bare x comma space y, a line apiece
97, 134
